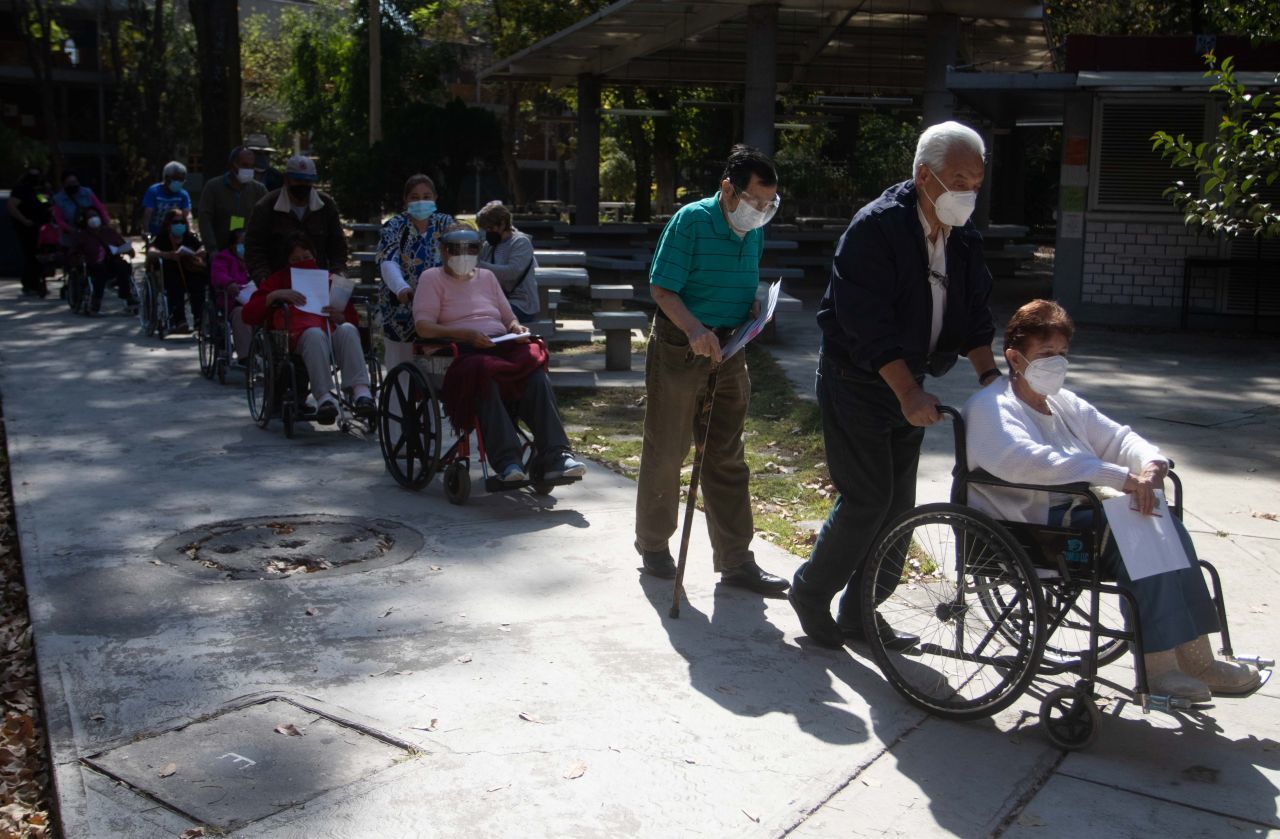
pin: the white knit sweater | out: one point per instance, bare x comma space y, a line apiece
1004, 439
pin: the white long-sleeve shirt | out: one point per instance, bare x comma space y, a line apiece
1079, 444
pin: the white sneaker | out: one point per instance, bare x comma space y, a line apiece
513, 474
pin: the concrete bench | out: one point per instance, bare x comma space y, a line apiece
781, 244
367, 264
610, 263
560, 259
773, 272
611, 296
617, 328
558, 278
786, 303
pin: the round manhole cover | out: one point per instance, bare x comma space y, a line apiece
281, 547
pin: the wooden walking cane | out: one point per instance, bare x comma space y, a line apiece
700, 447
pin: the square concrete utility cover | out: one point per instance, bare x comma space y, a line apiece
246, 764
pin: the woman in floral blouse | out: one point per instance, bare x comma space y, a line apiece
409, 246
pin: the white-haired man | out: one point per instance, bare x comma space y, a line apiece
162, 197
908, 295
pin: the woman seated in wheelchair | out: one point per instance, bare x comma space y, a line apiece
228, 278
315, 337
1033, 431
105, 254
464, 304
177, 254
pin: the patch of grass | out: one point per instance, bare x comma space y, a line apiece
783, 440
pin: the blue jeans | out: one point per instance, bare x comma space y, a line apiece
872, 453
1174, 607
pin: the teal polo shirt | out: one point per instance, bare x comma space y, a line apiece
702, 259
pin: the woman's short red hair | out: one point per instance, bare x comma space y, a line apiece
1037, 320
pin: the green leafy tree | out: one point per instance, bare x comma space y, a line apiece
1234, 168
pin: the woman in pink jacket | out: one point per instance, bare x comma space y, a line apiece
228, 277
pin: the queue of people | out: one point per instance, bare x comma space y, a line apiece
908, 296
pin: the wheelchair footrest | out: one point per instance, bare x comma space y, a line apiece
1256, 660
496, 484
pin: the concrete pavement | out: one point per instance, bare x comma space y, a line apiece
516, 675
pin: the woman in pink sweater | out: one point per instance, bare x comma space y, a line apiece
228, 277
462, 303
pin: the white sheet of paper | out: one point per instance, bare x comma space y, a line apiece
246, 291
340, 292
748, 331
510, 336
312, 283
1149, 545
186, 251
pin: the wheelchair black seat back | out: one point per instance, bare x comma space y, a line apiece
412, 432
277, 384
997, 604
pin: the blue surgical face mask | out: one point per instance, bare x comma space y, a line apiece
175, 186
240, 249
422, 210
177, 229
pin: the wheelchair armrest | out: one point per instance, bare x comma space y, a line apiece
982, 476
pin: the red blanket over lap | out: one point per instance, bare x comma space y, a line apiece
469, 376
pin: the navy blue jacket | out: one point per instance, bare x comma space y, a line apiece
878, 306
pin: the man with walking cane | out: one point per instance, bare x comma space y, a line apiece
704, 278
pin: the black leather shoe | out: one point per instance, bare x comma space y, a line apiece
748, 575
327, 413
658, 563
890, 638
817, 623
366, 407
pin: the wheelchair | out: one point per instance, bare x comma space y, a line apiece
214, 340
77, 285
277, 384
412, 432
997, 604
153, 303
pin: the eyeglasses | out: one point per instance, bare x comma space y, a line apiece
759, 203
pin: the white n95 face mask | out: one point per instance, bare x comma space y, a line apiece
953, 208
1046, 376
244, 175
463, 264
746, 217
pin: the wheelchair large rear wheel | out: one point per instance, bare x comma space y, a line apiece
931, 574
258, 378
409, 426
146, 305
206, 342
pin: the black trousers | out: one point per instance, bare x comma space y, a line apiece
111, 271
872, 452
182, 286
32, 276
537, 407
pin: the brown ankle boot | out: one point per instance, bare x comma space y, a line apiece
1165, 679
1224, 678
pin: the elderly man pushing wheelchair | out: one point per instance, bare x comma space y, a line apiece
908, 296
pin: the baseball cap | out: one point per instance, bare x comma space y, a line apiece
301, 167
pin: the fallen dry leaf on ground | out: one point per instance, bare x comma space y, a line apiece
193, 833
288, 728
527, 717
431, 726
751, 816
312, 611
576, 771
465, 658
169, 769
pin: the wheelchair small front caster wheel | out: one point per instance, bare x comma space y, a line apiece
288, 415
542, 488
457, 483
1070, 718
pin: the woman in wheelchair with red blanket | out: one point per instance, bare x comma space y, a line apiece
1033, 431
498, 364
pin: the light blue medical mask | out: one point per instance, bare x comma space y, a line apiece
176, 186
240, 249
422, 210
177, 229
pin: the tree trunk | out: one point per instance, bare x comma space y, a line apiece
641, 156
511, 131
217, 27
40, 56
664, 152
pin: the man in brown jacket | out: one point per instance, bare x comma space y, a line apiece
296, 207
